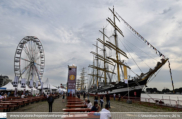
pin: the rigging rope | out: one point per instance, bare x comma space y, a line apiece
171, 75
157, 51
140, 58
136, 46
131, 56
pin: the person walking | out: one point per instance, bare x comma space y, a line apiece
119, 95
50, 101
108, 99
114, 95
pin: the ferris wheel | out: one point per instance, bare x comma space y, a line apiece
29, 59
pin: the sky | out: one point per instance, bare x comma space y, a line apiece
67, 29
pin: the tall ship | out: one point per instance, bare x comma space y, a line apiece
106, 66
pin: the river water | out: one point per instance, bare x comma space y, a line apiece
167, 98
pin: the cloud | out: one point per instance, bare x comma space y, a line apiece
67, 30
166, 10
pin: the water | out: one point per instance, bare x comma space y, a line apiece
167, 98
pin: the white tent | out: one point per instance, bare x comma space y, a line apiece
20, 88
8, 87
47, 85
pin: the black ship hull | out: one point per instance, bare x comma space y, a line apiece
134, 88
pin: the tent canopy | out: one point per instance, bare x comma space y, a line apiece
47, 85
8, 86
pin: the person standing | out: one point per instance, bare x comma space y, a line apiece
50, 101
114, 95
88, 95
84, 95
63, 97
119, 95
78, 95
101, 100
96, 98
108, 99
105, 113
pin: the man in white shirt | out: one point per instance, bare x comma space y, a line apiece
22, 96
105, 113
89, 104
114, 95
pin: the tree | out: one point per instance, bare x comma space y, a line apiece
155, 90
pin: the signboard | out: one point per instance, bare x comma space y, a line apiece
71, 85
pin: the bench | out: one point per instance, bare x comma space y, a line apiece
77, 110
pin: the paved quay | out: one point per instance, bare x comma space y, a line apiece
116, 106
119, 110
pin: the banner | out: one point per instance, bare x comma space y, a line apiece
31, 83
15, 82
125, 74
37, 83
42, 83
23, 81
72, 70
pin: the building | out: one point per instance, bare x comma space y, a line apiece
4, 80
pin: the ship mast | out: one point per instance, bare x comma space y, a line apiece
97, 63
115, 47
82, 77
104, 52
101, 58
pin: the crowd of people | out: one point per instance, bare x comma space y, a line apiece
96, 107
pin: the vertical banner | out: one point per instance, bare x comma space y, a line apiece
24, 91
71, 86
31, 83
15, 92
23, 80
42, 83
15, 82
125, 74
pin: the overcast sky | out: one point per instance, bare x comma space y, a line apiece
68, 28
